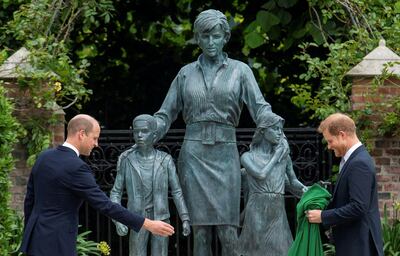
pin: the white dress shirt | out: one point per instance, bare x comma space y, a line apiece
68, 145
348, 154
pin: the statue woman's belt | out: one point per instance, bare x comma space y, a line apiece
210, 132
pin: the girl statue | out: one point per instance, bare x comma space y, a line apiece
269, 172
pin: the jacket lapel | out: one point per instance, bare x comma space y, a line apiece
346, 164
159, 159
132, 161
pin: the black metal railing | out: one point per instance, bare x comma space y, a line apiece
311, 163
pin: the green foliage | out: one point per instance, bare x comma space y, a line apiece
350, 31
390, 122
332, 94
86, 247
37, 138
391, 231
10, 222
299, 50
329, 250
55, 80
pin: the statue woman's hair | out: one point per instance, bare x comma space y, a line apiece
208, 19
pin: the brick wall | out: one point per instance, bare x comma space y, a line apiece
24, 109
386, 150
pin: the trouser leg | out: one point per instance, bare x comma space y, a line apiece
138, 242
228, 237
159, 244
202, 236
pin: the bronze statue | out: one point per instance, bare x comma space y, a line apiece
146, 173
210, 93
269, 169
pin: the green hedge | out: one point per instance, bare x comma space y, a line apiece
10, 222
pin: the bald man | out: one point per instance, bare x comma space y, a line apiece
353, 213
59, 182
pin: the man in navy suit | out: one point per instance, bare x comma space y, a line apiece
353, 213
58, 184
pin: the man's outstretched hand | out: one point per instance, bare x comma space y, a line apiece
158, 227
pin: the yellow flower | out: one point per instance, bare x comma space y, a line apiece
104, 248
57, 86
396, 206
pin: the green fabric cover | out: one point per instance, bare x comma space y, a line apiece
308, 239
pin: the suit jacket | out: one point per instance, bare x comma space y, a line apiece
58, 184
353, 212
164, 175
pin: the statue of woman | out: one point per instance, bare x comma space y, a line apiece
269, 171
210, 93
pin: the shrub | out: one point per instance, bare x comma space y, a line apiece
391, 231
10, 222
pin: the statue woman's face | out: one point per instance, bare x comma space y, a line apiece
212, 42
273, 134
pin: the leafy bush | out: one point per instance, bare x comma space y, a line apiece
391, 231
87, 247
329, 250
10, 222
352, 29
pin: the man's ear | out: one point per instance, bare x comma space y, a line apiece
342, 134
81, 133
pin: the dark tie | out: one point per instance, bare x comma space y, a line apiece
342, 161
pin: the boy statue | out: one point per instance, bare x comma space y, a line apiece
146, 173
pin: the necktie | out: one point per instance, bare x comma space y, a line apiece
342, 161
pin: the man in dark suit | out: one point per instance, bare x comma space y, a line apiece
58, 184
353, 213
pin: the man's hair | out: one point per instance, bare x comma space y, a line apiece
81, 122
148, 118
208, 19
338, 122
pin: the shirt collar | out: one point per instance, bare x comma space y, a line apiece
200, 60
351, 150
68, 145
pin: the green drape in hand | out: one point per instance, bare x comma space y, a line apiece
308, 239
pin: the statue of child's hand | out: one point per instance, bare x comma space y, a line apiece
122, 230
283, 149
186, 227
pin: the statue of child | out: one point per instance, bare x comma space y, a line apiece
269, 172
146, 173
